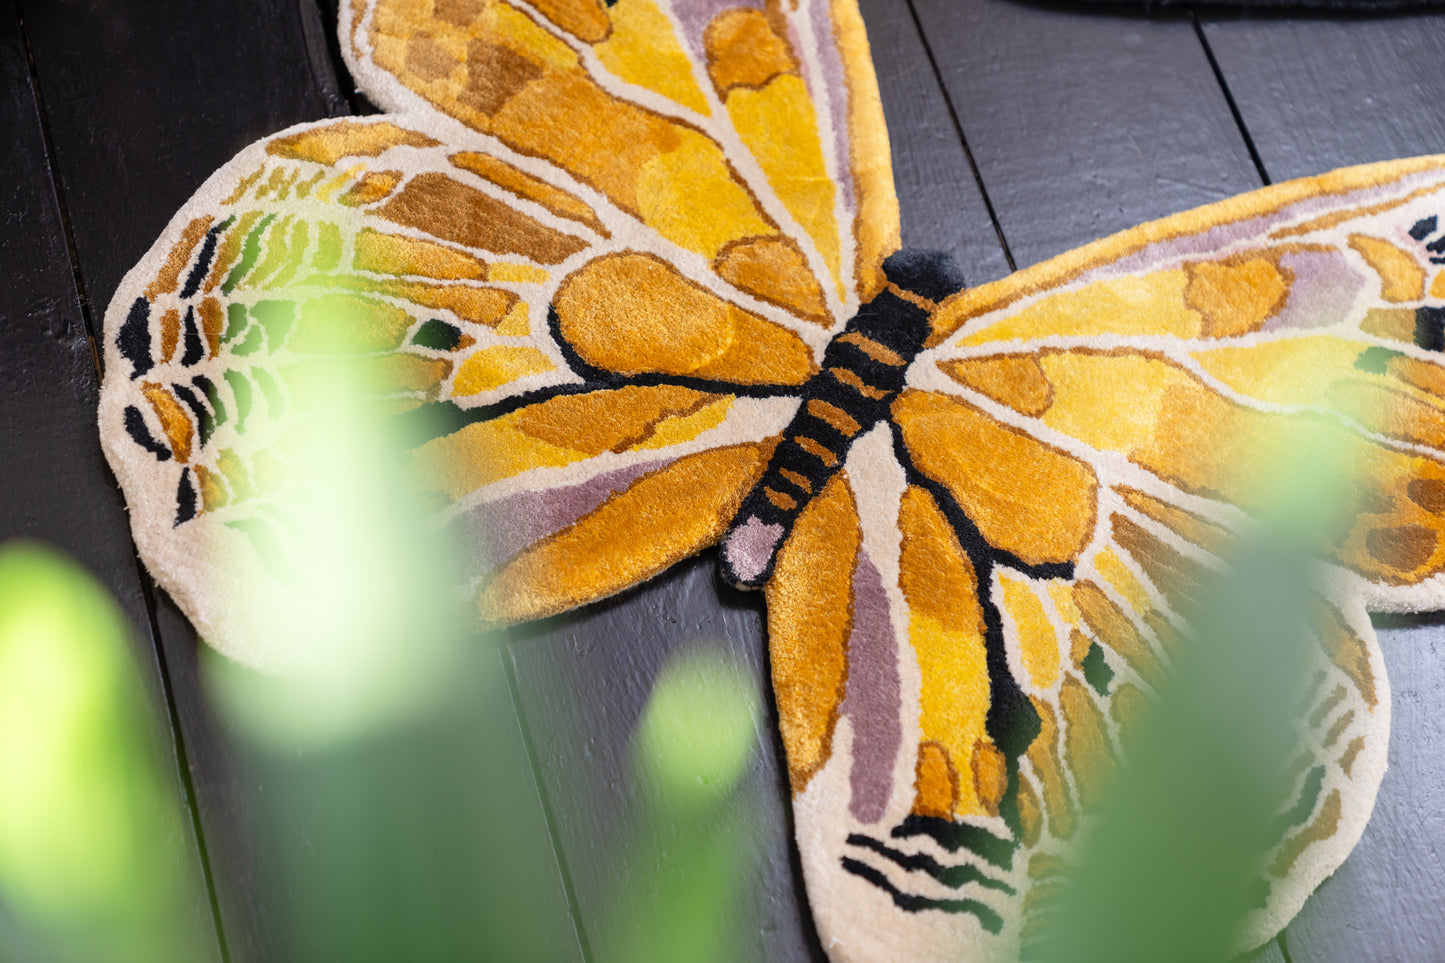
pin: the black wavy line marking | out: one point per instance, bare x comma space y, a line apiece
910, 903
954, 877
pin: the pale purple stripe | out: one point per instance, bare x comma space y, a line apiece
1323, 291
694, 17
873, 702
1210, 242
836, 82
494, 531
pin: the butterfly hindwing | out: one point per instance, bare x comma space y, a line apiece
485, 334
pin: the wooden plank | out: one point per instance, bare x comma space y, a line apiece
1320, 93
54, 485
1316, 94
1084, 123
584, 681
146, 101
941, 204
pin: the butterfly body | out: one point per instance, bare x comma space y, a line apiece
863, 369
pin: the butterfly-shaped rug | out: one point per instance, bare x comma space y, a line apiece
631, 271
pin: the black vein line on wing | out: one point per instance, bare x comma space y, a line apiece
436, 419
954, 877
908, 902
1012, 722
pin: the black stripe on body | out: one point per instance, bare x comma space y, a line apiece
862, 371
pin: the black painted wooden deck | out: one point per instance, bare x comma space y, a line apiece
1019, 130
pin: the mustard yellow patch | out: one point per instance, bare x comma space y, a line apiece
809, 608
675, 430
1026, 498
525, 35
774, 269
517, 273
661, 519
1037, 642
493, 367
485, 452
397, 254
1111, 402
1437, 286
1152, 304
622, 313
794, 165
515, 323
1293, 371
327, 145
1236, 297
1063, 597
1117, 574
1015, 380
644, 50
945, 628
689, 196
1401, 276
172, 418
935, 782
332, 184
1087, 750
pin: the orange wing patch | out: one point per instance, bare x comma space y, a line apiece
809, 616
634, 313
659, 520
1026, 497
946, 630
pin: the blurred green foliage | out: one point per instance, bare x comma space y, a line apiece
94, 861
692, 852
1174, 862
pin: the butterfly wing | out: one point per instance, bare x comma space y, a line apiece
587, 253
499, 336
751, 137
1081, 444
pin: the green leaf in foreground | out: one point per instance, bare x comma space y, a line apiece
93, 860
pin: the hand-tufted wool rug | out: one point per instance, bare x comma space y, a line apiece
632, 268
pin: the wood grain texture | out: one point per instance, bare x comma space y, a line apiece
941, 204
1320, 93
1080, 122
584, 682
54, 485
1084, 123
146, 101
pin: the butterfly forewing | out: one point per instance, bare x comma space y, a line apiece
751, 138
